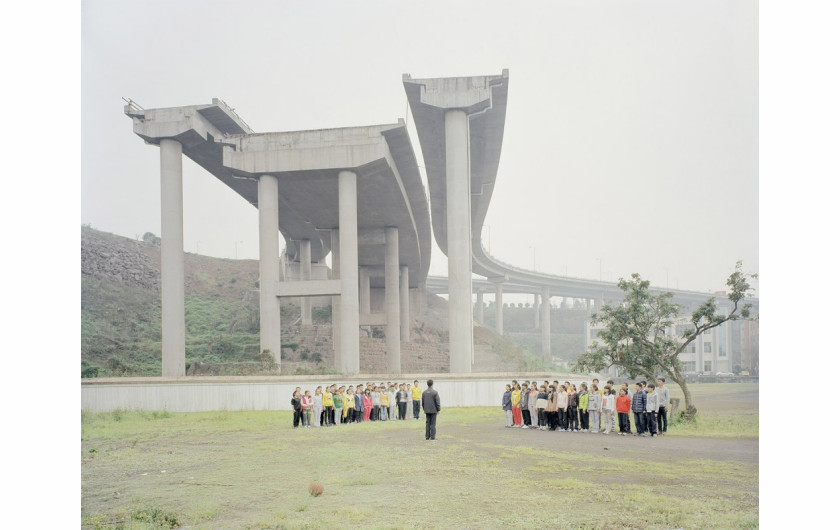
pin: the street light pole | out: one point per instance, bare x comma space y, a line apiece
236, 249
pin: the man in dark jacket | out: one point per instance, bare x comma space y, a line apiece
431, 406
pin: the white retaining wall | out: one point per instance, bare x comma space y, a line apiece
196, 394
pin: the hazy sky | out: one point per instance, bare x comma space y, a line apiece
631, 141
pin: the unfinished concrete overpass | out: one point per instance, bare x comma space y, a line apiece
460, 124
355, 192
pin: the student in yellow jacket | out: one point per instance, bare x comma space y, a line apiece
349, 405
328, 407
416, 394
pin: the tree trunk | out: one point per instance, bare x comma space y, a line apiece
690, 409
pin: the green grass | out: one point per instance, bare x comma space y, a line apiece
252, 470
724, 410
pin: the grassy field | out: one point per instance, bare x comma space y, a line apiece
252, 470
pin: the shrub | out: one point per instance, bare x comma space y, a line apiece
90, 370
223, 348
156, 516
117, 367
321, 314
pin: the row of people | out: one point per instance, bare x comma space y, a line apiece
583, 408
352, 404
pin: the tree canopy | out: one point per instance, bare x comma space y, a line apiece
638, 336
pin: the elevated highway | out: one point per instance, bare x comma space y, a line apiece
460, 125
356, 190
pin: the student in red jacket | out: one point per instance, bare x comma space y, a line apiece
306, 409
622, 406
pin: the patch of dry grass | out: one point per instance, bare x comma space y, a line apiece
252, 470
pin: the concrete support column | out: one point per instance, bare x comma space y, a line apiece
348, 223
458, 240
405, 306
479, 300
305, 274
499, 308
392, 300
269, 266
335, 249
364, 290
546, 323
172, 259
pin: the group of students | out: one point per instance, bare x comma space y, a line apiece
568, 408
348, 404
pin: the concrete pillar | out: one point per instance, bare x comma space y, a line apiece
348, 223
364, 290
479, 300
269, 266
546, 323
172, 259
536, 311
405, 306
305, 274
459, 237
499, 308
364, 294
335, 249
392, 300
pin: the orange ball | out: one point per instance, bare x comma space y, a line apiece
316, 489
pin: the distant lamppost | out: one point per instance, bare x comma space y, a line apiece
236, 249
600, 268
534, 249
666, 277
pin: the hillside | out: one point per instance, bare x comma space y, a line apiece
120, 319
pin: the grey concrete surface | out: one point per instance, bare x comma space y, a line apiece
173, 325
362, 179
197, 394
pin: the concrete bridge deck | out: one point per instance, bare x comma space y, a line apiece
354, 191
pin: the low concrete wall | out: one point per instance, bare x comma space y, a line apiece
196, 394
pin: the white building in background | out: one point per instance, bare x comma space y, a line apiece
730, 347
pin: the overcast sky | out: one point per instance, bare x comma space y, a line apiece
631, 140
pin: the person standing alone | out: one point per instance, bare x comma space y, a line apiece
431, 406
